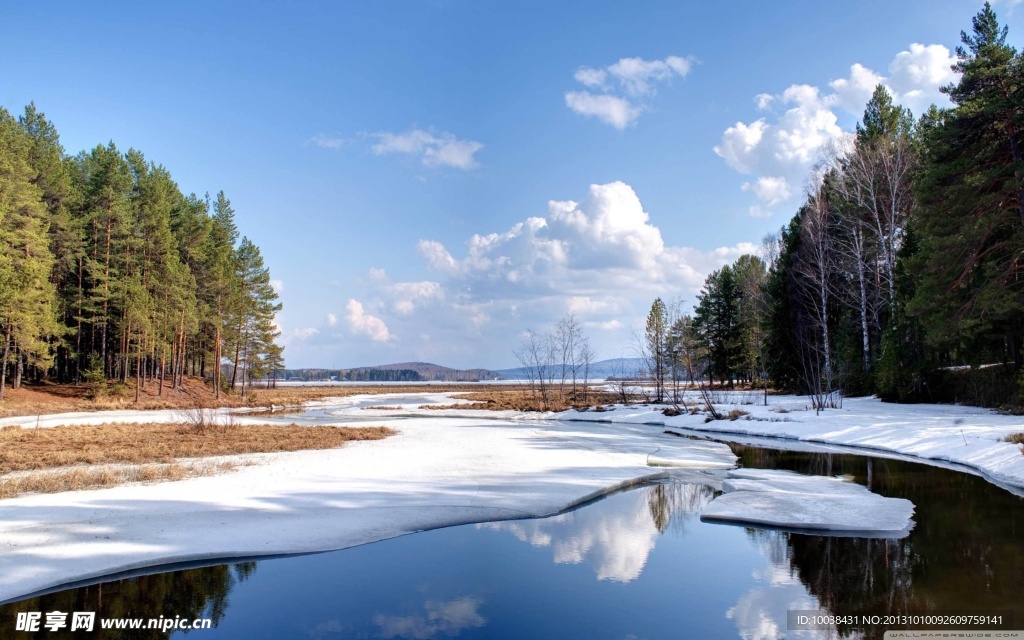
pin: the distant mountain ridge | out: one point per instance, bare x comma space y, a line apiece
395, 372
430, 372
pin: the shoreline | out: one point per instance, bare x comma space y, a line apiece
443, 468
435, 472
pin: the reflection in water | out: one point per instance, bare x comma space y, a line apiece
660, 572
964, 554
616, 539
448, 618
189, 593
761, 612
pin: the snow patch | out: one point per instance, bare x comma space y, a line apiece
823, 504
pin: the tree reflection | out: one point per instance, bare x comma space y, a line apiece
676, 503
189, 593
963, 555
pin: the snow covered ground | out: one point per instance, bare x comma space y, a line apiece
443, 468
966, 436
435, 472
790, 501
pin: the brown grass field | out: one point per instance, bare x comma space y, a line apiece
42, 399
77, 479
77, 457
493, 398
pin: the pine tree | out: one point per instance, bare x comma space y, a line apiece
656, 346
969, 270
718, 325
253, 307
54, 178
28, 302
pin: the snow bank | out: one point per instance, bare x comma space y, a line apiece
786, 500
436, 472
966, 436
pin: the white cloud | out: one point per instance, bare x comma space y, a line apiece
917, 74
332, 320
301, 333
770, 189
780, 148
406, 296
325, 141
434, 149
362, 323
602, 257
623, 85
853, 91
618, 112
608, 325
636, 75
590, 77
277, 286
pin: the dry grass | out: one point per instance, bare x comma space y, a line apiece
519, 399
384, 407
60, 398
735, 414
46, 399
28, 449
77, 479
1016, 438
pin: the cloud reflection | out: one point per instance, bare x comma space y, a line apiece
440, 617
616, 539
761, 613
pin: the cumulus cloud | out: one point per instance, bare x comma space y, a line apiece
277, 286
407, 296
362, 323
769, 189
916, 75
780, 147
621, 88
618, 112
602, 257
433, 149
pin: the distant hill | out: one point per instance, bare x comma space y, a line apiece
616, 367
397, 372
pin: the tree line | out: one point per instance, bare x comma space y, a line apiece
906, 259
108, 272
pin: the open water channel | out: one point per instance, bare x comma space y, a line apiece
637, 564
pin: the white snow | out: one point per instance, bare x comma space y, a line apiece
435, 472
443, 468
967, 436
828, 505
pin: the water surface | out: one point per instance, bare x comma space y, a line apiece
638, 564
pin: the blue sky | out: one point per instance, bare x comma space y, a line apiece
427, 180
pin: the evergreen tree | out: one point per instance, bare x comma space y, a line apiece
718, 324
28, 302
656, 347
108, 271
969, 273
254, 306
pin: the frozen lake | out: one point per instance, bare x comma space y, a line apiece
638, 564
